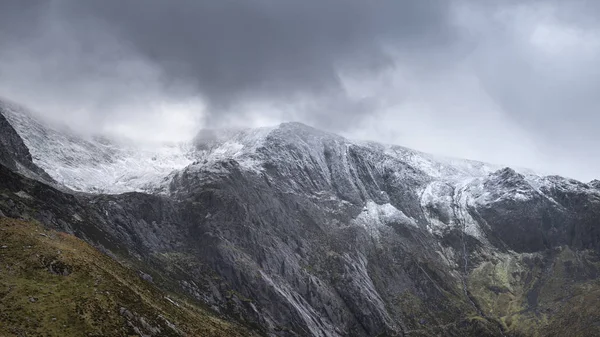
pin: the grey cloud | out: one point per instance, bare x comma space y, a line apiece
234, 51
431, 74
539, 64
239, 50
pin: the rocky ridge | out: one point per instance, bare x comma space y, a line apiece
306, 233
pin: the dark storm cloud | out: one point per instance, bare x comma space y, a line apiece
511, 81
239, 50
235, 51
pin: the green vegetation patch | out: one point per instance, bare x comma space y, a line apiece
54, 284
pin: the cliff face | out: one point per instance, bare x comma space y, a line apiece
306, 233
14, 154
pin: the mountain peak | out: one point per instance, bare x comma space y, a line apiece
283, 224
100, 165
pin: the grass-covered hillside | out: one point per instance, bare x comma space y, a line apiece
54, 284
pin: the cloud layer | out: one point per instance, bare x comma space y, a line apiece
510, 82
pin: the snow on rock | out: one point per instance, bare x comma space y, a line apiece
464, 201
374, 216
239, 145
95, 164
306, 159
437, 202
439, 167
446, 206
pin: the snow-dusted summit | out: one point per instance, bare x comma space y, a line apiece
310, 160
95, 164
300, 230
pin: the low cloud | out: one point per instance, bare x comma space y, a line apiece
511, 82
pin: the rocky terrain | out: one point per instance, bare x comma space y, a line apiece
299, 232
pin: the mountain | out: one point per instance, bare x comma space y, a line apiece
14, 154
300, 232
94, 164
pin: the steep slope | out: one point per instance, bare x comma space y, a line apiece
341, 225
307, 233
14, 154
54, 284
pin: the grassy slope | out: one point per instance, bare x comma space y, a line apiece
534, 295
54, 284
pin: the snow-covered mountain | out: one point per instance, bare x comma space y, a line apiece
447, 185
103, 165
95, 164
306, 233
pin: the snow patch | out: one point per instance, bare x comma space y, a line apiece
446, 205
374, 216
463, 202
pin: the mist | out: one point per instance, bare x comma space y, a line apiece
507, 82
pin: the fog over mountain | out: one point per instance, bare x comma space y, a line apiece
508, 82
285, 231
281, 168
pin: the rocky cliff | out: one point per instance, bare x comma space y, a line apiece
305, 233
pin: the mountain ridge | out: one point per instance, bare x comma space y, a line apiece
57, 154
305, 233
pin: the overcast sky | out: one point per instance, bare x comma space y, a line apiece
509, 82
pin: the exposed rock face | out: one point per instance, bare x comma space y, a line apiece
14, 154
306, 233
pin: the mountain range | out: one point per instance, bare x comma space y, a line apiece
293, 231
